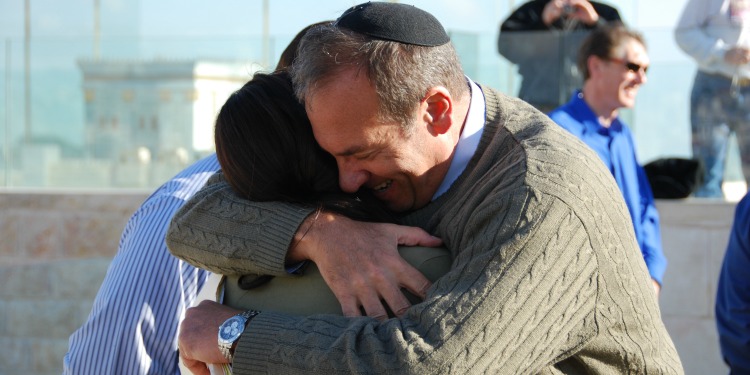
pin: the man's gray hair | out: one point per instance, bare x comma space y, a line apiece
400, 73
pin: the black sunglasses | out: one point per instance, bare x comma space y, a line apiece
631, 66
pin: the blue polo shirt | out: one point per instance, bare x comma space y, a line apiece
616, 148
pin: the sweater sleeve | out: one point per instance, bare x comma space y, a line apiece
606, 13
475, 318
527, 17
223, 233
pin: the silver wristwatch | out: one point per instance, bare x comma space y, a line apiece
231, 330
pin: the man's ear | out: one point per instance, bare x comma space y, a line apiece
594, 64
437, 107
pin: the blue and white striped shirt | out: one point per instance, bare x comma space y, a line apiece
132, 328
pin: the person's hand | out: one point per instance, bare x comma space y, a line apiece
360, 262
552, 11
657, 287
737, 56
581, 10
199, 332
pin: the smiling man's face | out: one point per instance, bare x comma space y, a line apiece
623, 76
402, 170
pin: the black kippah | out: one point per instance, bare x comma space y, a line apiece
395, 22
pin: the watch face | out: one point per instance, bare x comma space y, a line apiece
232, 328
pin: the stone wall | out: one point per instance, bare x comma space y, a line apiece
55, 249
695, 235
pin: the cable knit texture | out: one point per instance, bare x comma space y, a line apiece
218, 231
547, 276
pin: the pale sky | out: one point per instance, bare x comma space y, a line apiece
234, 17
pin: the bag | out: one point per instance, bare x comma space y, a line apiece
674, 178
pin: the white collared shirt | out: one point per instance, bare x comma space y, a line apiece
469, 140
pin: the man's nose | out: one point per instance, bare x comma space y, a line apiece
642, 76
351, 178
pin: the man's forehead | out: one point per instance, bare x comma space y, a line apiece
353, 79
636, 50
630, 48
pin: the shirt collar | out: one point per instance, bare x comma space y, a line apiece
588, 118
469, 139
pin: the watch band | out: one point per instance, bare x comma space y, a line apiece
249, 315
231, 330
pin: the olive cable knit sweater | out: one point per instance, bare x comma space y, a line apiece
547, 276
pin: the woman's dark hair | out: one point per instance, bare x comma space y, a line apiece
267, 152
290, 52
265, 145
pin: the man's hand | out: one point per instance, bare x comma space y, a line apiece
199, 332
581, 10
360, 262
552, 11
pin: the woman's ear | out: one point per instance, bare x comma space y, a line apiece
437, 107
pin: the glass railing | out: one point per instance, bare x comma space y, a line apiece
130, 118
144, 109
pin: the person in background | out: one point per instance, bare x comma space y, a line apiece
716, 34
542, 37
733, 294
614, 62
133, 324
546, 277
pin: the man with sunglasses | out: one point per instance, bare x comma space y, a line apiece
613, 61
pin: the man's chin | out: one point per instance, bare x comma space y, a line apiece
397, 207
628, 101
404, 206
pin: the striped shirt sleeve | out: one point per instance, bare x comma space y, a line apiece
132, 327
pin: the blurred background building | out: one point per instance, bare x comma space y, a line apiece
144, 120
